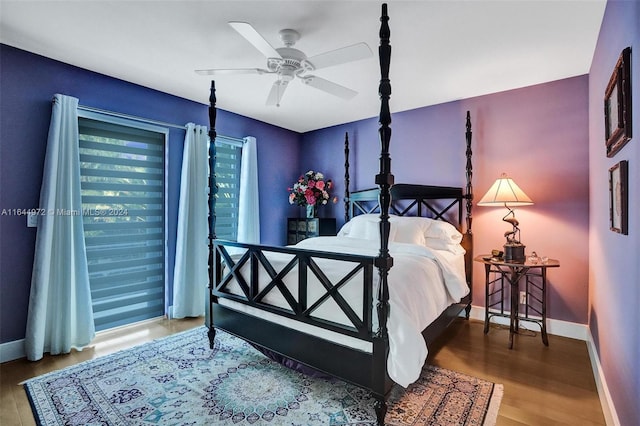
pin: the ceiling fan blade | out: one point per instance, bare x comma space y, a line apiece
247, 31
340, 56
233, 71
329, 87
276, 92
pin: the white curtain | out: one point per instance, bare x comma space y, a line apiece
248, 206
60, 315
190, 278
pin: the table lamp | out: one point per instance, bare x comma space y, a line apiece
505, 192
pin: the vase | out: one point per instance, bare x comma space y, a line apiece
311, 211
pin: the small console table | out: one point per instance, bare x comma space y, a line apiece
299, 229
497, 272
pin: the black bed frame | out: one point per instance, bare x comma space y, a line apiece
365, 369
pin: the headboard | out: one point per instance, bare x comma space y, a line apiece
432, 201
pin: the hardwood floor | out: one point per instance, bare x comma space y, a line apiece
542, 385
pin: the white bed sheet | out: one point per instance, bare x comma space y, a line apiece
422, 283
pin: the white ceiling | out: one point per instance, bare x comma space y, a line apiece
441, 50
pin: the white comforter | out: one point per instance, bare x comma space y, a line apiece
422, 283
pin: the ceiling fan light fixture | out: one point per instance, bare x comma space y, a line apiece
286, 74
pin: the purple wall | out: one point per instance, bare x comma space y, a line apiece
28, 85
536, 134
614, 281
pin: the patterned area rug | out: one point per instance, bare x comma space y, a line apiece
178, 380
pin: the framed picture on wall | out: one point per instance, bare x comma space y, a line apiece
619, 197
617, 105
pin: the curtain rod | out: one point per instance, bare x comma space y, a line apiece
131, 117
235, 141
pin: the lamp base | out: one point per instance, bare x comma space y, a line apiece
514, 253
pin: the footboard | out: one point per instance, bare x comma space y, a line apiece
330, 291
315, 307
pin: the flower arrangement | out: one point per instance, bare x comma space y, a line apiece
311, 189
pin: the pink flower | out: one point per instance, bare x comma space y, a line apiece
311, 188
310, 199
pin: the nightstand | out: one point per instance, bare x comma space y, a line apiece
300, 228
534, 303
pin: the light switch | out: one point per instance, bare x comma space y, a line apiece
32, 220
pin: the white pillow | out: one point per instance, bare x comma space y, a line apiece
365, 226
346, 228
409, 229
444, 231
424, 231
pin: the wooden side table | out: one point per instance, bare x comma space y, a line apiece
535, 279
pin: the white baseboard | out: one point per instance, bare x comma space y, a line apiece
608, 408
556, 327
12, 350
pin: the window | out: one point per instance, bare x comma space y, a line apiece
228, 160
122, 168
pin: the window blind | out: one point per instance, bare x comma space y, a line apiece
122, 172
228, 162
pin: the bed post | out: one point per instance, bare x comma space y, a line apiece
213, 190
384, 180
469, 204
469, 173
346, 177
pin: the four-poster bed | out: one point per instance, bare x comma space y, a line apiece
336, 304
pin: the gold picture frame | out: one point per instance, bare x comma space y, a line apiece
619, 197
617, 105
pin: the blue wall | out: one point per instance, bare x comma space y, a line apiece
28, 84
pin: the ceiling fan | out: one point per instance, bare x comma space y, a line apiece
288, 63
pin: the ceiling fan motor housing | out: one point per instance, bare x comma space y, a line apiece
291, 59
